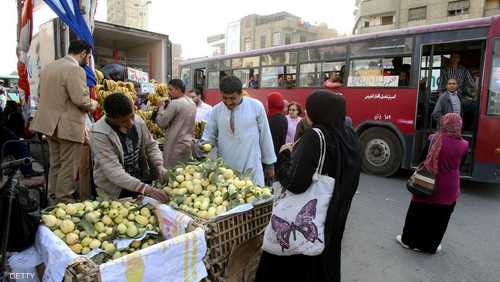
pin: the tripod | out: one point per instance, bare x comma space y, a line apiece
10, 170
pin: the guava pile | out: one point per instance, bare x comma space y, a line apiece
90, 225
209, 188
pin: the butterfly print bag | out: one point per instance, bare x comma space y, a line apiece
297, 223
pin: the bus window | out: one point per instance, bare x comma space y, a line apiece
334, 70
323, 54
186, 76
249, 62
243, 75
213, 80
284, 58
494, 89
309, 75
385, 47
380, 72
254, 79
271, 76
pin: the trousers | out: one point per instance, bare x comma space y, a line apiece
65, 159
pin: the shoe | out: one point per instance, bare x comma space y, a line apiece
400, 241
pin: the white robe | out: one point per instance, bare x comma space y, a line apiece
250, 145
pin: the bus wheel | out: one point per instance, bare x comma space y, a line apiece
382, 151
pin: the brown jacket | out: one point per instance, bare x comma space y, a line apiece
64, 101
178, 121
110, 176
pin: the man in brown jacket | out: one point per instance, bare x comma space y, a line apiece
64, 102
177, 118
123, 149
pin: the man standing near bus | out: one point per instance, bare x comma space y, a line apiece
202, 109
64, 102
448, 102
177, 118
239, 128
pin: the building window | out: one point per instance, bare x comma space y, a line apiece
387, 20
417, 14
302, 38
276, 39
288, 38
247, 45
262, 41
367, 24
457, 8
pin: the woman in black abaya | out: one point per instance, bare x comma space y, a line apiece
295, 170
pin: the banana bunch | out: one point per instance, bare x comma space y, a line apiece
161, 89
145, 115
99, 76
109, 86
199, 127
155, 129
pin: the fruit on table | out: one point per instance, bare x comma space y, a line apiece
90, 225
206, 148
208, 188
67, 226
49, 220
71, 238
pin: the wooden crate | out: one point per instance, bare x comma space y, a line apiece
227, 234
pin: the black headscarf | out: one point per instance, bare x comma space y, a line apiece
326, 108
327, 111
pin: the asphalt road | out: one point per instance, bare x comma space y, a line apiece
471, 246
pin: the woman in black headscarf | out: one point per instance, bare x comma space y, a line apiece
295, 170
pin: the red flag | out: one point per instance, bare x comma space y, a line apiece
25, 36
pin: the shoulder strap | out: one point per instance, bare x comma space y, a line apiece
322, 154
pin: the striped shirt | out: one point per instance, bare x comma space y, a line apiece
463, 76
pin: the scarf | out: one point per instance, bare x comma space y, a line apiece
450, 125
275, 104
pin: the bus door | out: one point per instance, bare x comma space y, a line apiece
436, 65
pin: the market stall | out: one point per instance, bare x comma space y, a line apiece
120, 240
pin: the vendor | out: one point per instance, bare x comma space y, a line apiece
122, 148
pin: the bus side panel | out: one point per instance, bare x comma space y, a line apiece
393, 105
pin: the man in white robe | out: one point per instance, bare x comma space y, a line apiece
238, 127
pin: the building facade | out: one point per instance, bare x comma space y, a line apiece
380, 15
217, 44
278, 29
256, 32
131, 13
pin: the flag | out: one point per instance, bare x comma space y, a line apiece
69, 12
25, 35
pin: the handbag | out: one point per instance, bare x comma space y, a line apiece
297, 223
422, 182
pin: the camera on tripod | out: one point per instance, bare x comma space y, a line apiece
9, 168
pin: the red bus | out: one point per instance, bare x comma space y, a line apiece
391, 81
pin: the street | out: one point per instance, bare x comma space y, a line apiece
471, 249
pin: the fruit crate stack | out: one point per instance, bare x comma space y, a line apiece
206, 190
225, 235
